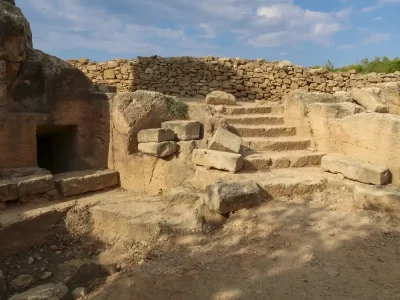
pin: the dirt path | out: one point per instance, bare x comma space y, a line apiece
315, 248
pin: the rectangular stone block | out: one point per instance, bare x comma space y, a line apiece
184, 130
231, 162
8, 190
224, 140
162, 149
356, 170
378, 198
76, 183
372, 99
226, 197
34, 184
155, 135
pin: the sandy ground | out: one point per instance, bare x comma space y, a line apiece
315, 247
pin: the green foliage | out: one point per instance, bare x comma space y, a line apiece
178, 108
377, 65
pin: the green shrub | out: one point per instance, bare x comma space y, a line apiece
377, 65
178, 108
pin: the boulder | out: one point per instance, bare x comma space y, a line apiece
220, 97
51, 291
355, 169
133, 112
162, 149
22, 282
184, 130
80, 182
371, 98
45, 83
224, 140
79, 293
231, 162
226, 197
155, 135
380, 198
15, 37
284, 63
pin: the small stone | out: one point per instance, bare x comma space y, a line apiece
49, 291
46, 275
31, 260
331, 271
22, 282
79, 293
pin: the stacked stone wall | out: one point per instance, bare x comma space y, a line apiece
247, 79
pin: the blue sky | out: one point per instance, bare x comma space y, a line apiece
306, 32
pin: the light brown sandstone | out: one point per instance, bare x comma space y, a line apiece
184, 130
220, 97
218, 160
379, 198
224, 140
155, 135
371, 98
162, 149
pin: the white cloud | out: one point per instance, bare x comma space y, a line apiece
283, 53
209, 31
374, 38
378, 5
377, 19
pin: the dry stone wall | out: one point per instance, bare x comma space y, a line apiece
247, 79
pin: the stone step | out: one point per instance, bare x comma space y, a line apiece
261, 109
262, 130
276, 144
80, 182
287, 159
256, 119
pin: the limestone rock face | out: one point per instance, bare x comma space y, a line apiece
45, 81
355, 169
155, 135
133, 112
226, 197
49, 291
220, 97
372, 99
381, 198
391, 91
15, 38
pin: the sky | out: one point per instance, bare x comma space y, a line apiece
306, 32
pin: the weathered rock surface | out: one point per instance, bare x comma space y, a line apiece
162, 149
371, 98
224, 140
22, 282
155, 135
51, 291
380, 198
184, 130
133, 112
370, 137
228, 197
76, 183
391, 90
220, 97
8, 190
15, 38
79, 293
355, 169
218, 160
3, 287
45, 82
34, 184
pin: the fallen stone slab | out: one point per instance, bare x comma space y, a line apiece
76, 183
371, 98
184, 130
51, 291
226, 197
155, 135
355, 169
162, 149
231, 162
8, 190
34, 184
220, 97
379, 198
224, 140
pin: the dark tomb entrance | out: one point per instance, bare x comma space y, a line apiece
56, 147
